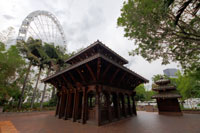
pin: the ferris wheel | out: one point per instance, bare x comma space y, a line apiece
44, 26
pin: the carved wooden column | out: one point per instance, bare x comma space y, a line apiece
129, 105
123, 106
67, 105
75, 105
84, 105
64, 104
118, 106
58, 103
98, 105
109, 107
133, 105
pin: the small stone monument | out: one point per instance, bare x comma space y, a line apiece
167, 98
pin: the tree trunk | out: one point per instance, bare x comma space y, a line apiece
24, 86
41, 103
34, 92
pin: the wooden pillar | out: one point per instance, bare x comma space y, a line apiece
74, 114
84, 105
123, 106
98, 105
133, 105
58, 104
129, 105
76, 106
109, 107
67, 105
118, 106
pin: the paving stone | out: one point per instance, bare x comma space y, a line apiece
144, 122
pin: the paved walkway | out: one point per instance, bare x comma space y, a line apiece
144, 122
7, 127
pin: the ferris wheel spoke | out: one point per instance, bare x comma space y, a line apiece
48, 28
31, 33
56, 35
42, 27
35, 32
52, 31
38, 29
43, 21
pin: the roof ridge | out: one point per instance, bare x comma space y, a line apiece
93, 44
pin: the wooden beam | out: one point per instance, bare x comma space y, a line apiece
91, 72
106, 70
98, 68
122, 78
67, 82
54, 83
114, 75
72, 77
80, 75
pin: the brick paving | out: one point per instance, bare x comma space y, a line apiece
7, 127
144, 122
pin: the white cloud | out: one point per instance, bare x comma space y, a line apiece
84, 21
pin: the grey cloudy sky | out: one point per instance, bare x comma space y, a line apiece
84, 21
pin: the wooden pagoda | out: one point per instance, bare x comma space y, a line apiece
95, 87
167, 98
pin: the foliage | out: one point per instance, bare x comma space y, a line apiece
142, 94
27, 107
33, 51
188, 84
11, 69
186, 4
156, 36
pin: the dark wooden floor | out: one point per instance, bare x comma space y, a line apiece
144, 122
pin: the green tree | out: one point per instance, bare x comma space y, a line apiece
184, 7
30, 51
156, 35
33, 51
188, 84
142, 94
12, 67
55, 57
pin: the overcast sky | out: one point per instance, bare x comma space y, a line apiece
84, 21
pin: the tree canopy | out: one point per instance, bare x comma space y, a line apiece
188, 84
142, 94
159, 34
12, 69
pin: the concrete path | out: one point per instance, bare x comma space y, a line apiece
144, 122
